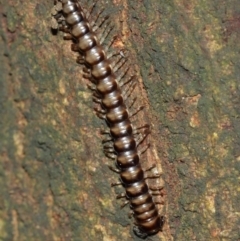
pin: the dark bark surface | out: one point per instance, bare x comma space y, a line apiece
54, 179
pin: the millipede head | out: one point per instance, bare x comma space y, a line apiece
143, 233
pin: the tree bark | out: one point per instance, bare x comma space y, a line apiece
55, 183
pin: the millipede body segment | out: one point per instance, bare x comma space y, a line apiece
109, 95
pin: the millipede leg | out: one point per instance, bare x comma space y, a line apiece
150, 168
113, 53
74, 47
121, 195
80, 59
101, 116
138, 110
119, 63
136, 129
142, 136
100, 111
155, 175
132, 103
97, 100
143, 149
130, 214
139, 139
109, 44
114, 169
124, 204
105, 33
66, 35
90, 11
116, 184
91, 87
107, 139
86, 70
104, 131
94, 21
122, 76
97, 95
111, 155
130, 79
115, 62
103, 24
127, 92
87, 75
107, 145
108, 150
67, 32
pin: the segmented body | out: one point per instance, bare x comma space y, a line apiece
116, 114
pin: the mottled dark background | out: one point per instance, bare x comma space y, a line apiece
55, 184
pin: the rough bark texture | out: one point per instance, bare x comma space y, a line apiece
55, 184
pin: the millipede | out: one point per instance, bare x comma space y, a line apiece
112, 86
